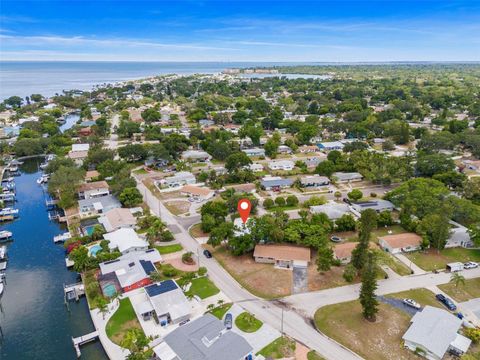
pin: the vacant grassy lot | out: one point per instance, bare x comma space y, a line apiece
262, 280
422, 296
470, 290
177, 207
196, 231
123, 320
381, 340
313, 355
390, 261
433, 259
168, 249
203, 288
220, 311
283, 347
247, 322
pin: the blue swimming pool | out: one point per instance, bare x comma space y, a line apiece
88, 230
94, 250
109, 290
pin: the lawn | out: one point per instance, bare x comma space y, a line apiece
312, 355
203, 288
247, 322
262, 280
283, 347
177, 207
168, 249
422, 296
196, 231
379, 340
140, 171
470, 290
92, 288
432, 259
388, 260
220, 311
123, 320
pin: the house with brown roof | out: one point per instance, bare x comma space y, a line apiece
282, 256
397, 243
93, 190
196, 192
91, 174
117, 218
343, 252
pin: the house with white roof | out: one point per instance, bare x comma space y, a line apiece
330, 145
254, 152
179, 179
285, 165
434, 332
343, 177
332, 209
79, 153
195, 156
255, 167
117, 218
98, 205
125, 240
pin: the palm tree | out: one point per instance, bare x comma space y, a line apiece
155, 231
156, 276
457, 279
220, 302
102, 304
210, 307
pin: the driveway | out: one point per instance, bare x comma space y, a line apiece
260, 338
473, 306
300, 280
397, 303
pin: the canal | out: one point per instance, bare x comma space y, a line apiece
35, 321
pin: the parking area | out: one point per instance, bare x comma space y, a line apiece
300, 279
397, 303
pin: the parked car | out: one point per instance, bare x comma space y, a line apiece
228, 321
446, 301
470, 265
412, 303
207, 254
336, 239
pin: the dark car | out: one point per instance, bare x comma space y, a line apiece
228, 321
446, 301
207, 254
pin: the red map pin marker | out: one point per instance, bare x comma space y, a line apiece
244, 207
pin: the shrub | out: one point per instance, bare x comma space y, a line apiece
268, 203
187, 258
349, 273
355, 195
373, 194
292, 200
280, 201
202, 271
314, 200
473, 334
169, 271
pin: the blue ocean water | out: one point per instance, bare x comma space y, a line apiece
24, 78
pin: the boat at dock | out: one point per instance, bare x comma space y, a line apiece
3, 253
62, 237
5, 235
9, 211
2, 287
7, 196
43, 179
12, 168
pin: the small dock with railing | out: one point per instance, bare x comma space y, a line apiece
73, 291
78, 341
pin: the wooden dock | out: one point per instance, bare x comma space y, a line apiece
83, 340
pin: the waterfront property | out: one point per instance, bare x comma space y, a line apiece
117, 218
93, 190
125, 240
97, 206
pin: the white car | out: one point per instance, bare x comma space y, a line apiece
470, 265
412, 303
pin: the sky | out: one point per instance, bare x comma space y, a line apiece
277, 31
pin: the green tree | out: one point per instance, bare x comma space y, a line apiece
63, 184
268, 203
368, 287
81, 258
345, 223
325, 168
130, 197
436, 228
368, 222
457, 279
324, 258
355, 195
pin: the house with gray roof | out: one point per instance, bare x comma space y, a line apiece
434, 332
97, 206
254, 152
179, 179
330, 145
377, 205
459, 236
195, 156
347, 176
275, 183
332, 209
314, 181
205, 338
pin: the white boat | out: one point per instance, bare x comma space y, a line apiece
3, 265
1, 288
9, 179
13, 168
9, 196
3, 253
5, 234
9, 211
43, 179
62, 237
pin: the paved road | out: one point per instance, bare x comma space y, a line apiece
297, 326
310, 302
112, 142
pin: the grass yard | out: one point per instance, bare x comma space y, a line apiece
140, 171
92, 288
168, 249
470, 290
394, 264
262, 280
196, 231
123, 320
283, 208
432, 259
177, 207
203, 287
220, 311
247, 322
283, 347
422, 296
312, 355
380, 340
